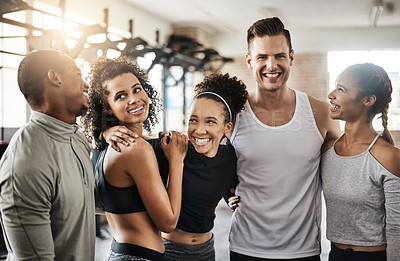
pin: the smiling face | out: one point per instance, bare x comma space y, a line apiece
345, 103
270, 60
207, 125
128, 100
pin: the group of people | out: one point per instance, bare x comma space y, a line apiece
270, 151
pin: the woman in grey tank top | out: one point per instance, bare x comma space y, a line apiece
360, 171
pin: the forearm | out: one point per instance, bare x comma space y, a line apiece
392, 211
174, 188
30, 242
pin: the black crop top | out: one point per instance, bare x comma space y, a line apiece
124, 200
205, 182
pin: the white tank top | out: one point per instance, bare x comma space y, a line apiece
279, 185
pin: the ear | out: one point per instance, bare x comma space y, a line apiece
54, 78
291, 57
369, 100
248, 61
228, 127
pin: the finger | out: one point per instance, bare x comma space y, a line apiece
164, 141
115, 146
174, 136
121, 141
127, 137
232, 190
131, 133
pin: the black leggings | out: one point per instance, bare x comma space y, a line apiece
337, 254
239, 257
125, 251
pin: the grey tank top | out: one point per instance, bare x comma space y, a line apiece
362, 201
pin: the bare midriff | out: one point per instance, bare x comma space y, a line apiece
137, 229
186, 238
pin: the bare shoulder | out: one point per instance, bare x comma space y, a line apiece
136, 151
388, 155
319, 107
329, 128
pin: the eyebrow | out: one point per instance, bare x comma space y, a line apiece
135, 85
211, 117
275, 54
207, 118
339, 85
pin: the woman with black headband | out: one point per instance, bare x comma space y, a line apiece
209, 166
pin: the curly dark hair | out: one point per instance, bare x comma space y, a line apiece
230, 88
97, 118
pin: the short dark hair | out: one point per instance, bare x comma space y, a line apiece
33, 70
268, 27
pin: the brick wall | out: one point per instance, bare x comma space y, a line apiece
309, 74
239, 69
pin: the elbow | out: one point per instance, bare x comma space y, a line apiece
168, 226
167, 229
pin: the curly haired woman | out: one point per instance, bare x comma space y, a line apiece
132, 193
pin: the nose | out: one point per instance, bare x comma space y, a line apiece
201, 128
331, 95
271, 63
132, 99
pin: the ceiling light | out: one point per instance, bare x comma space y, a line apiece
376, 11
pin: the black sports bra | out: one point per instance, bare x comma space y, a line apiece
113, 199
126, 200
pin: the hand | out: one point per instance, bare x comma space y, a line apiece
174, 145
162, 135
119, 135
233, 202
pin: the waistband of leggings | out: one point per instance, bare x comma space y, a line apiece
333, 247
135, 250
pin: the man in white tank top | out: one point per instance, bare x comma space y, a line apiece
277, 137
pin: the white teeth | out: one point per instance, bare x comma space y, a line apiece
271, 75
335, 107
136, 110
201, 141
